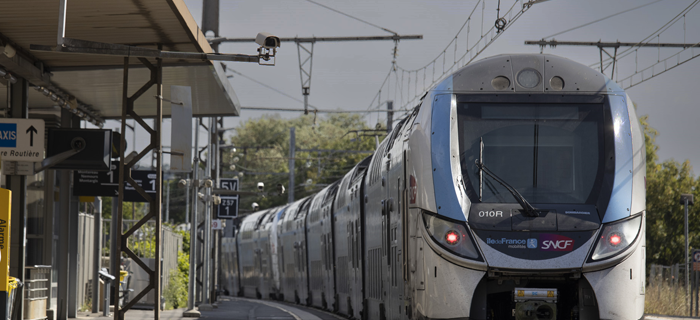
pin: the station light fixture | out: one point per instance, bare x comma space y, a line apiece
7, 76
81, 110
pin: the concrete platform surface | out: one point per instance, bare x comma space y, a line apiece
231, 308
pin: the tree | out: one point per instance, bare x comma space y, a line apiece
262, 149
665, 183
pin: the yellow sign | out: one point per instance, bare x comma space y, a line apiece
550, 294
5, 211
521, 293
86, 199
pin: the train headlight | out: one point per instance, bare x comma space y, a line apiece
529, 78
616, 237
450, 235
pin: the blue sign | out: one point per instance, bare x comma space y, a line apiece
532, 243
8, 135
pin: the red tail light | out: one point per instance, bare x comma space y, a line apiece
615, 239
452, 237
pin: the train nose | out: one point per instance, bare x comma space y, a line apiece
559, 238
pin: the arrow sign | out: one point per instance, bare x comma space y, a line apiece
31, 132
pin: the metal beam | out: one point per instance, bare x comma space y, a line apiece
321, 111
155, 200
323, 39
18, 107
100, 48
554, 43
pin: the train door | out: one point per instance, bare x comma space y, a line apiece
394, 267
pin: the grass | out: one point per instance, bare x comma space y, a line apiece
666, 300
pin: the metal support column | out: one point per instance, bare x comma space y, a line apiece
19, 108
191, 296
97, 255
73, 215
154, 201
206, 295
389, 116
292, 143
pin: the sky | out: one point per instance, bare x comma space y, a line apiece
348, 75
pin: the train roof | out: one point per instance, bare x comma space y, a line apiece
527, 73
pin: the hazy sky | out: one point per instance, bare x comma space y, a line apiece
347, 75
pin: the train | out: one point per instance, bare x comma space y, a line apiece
515, 189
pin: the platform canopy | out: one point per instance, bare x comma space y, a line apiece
96, 81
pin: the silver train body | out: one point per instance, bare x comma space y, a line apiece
429, 226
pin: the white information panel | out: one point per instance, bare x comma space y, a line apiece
181, 132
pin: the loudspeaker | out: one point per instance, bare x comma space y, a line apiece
95, 156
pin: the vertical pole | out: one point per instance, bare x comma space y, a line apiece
210, 20
119, 206
73, 217
685, 258
61, 23
193, 228
187, 199
63, 233
292, 151
206, 303
19, 108
167, 201
389, 116
113, 256
97, 217
158, 201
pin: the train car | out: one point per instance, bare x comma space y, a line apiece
264, 253
319, 233
229, 263
535, 203
514, 190
249, 262
348, 220
292, 245
276, 281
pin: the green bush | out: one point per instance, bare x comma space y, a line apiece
176, 292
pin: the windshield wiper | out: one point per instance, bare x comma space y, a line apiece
530, 211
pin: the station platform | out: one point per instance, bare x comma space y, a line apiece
231, 308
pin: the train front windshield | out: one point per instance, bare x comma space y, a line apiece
550, 153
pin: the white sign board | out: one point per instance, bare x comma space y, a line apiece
181, 132
216, 225
22, 139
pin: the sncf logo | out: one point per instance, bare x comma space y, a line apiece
555, 242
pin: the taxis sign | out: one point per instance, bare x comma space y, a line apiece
22, 139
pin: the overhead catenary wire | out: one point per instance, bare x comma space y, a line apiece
408, 98
352, 17
321, 110
654, 34
269, 87
601, 19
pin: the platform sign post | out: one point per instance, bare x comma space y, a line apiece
5, 212
228, 209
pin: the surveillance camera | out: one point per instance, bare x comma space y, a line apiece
267, 40
261, 186
182, 183
255, 206
10, 52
